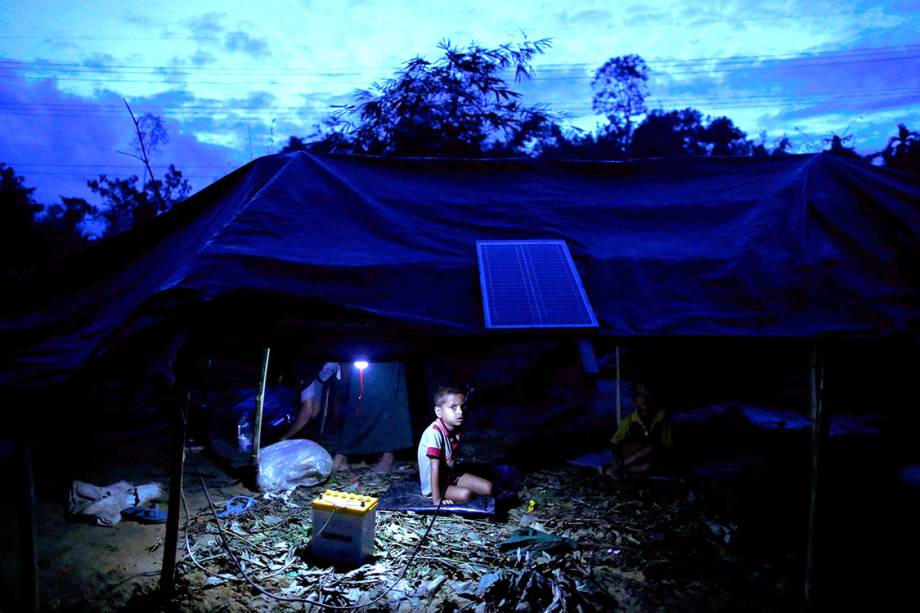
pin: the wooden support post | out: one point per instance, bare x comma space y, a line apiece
260, 401
177, 466
619, 405
28, 554
818, 431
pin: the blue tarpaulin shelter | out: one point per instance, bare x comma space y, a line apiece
801, 247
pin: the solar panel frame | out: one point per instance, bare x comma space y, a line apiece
535, 281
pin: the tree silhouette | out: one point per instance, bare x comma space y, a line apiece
62, 226
329, 136
149, 134
31, 234
126, 204
688, 132
669, 134
781, 146
20, 243
838, 146
295, 143
722, 137
903, 150
572, 143
620, 89
455, 106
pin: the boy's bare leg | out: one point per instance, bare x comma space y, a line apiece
634, 455
457, 494
477, 485
634, 462
639, 469
385, 464
339, 463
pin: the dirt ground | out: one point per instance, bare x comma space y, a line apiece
684, 544
79, 563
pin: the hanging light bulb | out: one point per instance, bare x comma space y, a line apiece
360, 365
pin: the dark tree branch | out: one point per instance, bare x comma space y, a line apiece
145, 158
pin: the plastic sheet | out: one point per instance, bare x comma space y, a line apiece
287, 464
405, 496
778, 247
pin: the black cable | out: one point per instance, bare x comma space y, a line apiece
226, 544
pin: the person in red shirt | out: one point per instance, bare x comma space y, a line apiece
437, 450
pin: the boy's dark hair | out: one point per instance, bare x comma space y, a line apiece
442, 392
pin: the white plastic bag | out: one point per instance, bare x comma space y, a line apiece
105, 504
290, 463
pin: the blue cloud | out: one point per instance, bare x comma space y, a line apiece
99, 60
589, 17
640, 14
202, 58
58, 140
244, 43
206, 26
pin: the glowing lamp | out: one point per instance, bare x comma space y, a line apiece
360, 365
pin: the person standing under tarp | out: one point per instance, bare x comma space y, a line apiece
312, 397
375, 414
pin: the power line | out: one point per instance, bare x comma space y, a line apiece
790, 66
656, 22
290, 113
353, 70
139, 165
292, 110
63, 148
674, 67
74, 174
537, 77
753, 59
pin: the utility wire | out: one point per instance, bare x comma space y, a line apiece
282, 113
536, 78
855, 53
225, 543
654, 21
259, 116
673, 67
88, 109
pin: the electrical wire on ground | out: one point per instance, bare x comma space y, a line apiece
225, 543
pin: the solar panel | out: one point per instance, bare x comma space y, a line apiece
531, 284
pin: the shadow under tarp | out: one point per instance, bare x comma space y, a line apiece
405, 495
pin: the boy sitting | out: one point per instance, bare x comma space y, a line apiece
436, 452
642, 440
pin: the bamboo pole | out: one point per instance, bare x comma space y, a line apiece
818, 429
177, 467
260, 402
619, 404
28, 554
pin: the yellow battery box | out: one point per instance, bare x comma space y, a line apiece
343, 527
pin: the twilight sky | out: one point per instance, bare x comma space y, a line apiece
233, 80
